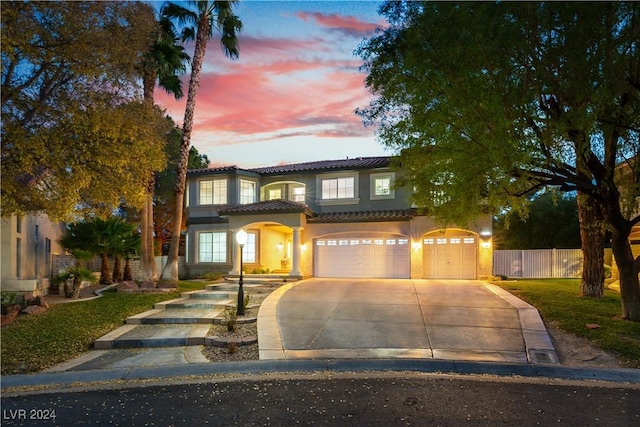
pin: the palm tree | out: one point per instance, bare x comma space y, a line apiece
126, 242
199, 23
98, 236
164, 62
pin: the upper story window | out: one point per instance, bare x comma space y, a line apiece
213, 192
382, 186
247, 192
299, 194
275, 194
337, 188
294, 191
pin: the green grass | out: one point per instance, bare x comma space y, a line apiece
33, 343
559, 303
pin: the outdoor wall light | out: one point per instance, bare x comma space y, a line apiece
485, 244
241, 239
280, 246
303, 246
415, 245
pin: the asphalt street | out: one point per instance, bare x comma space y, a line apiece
364, 399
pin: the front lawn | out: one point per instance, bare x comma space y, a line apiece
33, 343
558, 302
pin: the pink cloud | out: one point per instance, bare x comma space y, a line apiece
279, 88
349, 25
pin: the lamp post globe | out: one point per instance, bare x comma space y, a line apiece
241, 239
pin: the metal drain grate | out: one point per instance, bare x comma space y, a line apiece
542, 356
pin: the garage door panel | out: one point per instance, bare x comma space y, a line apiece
450, 257
362, 257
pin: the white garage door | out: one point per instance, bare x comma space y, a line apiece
450, 257
382, 257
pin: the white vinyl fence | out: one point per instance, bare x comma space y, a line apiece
538, 263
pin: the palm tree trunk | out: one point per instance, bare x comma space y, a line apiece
105, 273
151, 253
117, 269
147, 262
171, 269
127, 270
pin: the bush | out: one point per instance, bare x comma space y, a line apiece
210, 275
607, 271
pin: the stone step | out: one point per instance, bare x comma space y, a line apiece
214, 295
259, 279
168, 316
142, 336
193, 303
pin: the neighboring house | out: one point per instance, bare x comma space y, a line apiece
338, 218
28, 246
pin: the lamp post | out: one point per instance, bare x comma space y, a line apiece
241, 239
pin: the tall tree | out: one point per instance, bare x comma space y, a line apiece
488, 102
65, 67
163, 63
201, 19
165, 191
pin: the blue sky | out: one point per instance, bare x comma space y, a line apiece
292, 94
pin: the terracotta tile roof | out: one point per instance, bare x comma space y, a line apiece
268, 206
355, 163
364, 216
213, 170
321, 165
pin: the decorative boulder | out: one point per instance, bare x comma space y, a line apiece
127, 285
147, 284
41, 301
34, 309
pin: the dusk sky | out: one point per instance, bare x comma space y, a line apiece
292, 94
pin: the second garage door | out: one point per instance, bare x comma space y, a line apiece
450, 257
382, 257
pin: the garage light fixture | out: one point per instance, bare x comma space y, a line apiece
415, 245
485, 236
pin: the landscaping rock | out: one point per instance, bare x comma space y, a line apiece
129, 284
148, 284
167, 285
41, 301
34, 309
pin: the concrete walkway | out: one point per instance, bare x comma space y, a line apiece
425, 319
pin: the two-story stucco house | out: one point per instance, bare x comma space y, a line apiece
337, 218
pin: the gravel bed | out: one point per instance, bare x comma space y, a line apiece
243, 352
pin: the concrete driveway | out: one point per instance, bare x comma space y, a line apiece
401, 318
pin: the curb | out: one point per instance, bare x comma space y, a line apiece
101, 378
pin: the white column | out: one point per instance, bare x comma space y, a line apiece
235, 254
295, 267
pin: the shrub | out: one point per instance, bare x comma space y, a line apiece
210, 275
231, 315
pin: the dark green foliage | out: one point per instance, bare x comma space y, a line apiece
551, 222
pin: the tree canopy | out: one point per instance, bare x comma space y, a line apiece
487, 102
74, 133
551, 221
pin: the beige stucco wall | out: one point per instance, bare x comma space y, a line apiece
35, 269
